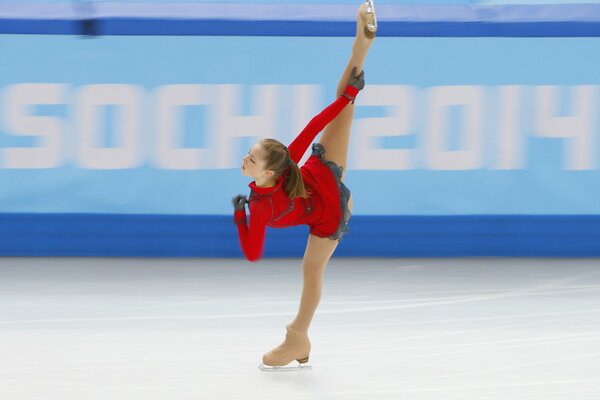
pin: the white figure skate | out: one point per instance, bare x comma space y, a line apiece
371, 26
301, 366
295, 347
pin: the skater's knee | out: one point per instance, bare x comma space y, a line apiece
313, 269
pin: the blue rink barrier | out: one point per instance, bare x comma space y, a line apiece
112, 18
33, 230
131, 235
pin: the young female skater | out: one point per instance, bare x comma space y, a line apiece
284, 195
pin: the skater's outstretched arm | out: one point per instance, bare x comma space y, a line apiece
299, 146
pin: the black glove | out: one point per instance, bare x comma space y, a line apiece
239, 202
357, 81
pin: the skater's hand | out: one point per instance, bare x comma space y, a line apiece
357, 81
239, 201
355, 84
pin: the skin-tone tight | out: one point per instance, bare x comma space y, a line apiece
335, 139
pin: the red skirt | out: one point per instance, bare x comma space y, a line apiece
323, 179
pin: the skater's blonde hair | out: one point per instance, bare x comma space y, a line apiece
278, 160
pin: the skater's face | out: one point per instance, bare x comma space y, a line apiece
253, 163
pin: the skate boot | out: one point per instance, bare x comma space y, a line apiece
295, 347
371, 19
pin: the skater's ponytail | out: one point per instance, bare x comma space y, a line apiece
278, 160
295, 185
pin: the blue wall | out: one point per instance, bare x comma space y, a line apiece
476, 135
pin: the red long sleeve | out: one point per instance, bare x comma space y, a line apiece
252, 236
318, 123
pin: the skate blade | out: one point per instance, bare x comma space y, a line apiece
299, 367
371, 22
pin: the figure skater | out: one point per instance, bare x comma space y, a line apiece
284, 195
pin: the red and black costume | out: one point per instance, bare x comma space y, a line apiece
324, 211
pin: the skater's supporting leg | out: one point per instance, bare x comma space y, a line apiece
297, 345
316, 256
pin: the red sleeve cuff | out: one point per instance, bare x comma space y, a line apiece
239, 216
350, 93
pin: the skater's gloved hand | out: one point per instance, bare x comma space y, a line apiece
355, 84
357, 81
239, 202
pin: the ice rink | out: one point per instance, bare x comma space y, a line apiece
479, 328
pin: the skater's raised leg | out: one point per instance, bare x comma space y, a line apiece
336, 135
